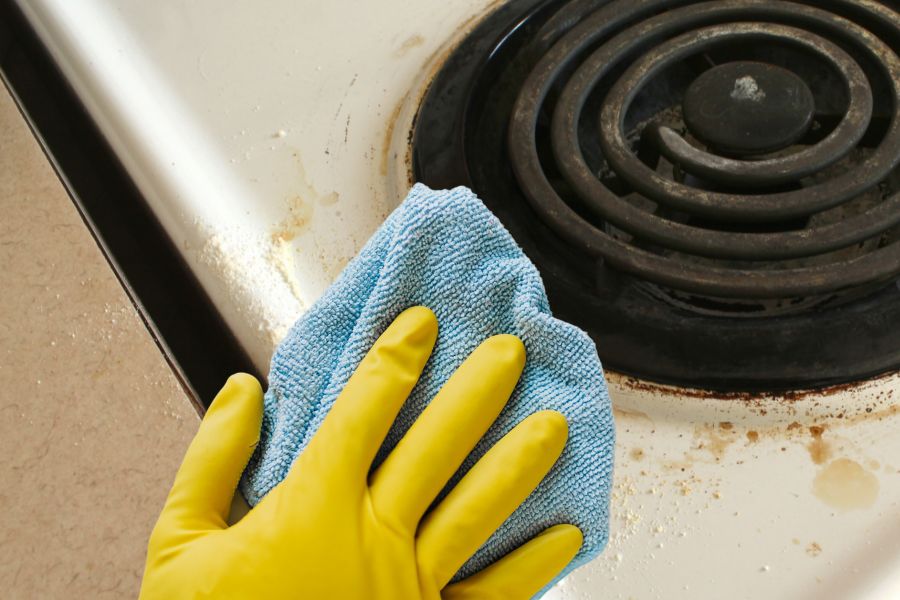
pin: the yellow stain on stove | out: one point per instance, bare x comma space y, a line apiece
300, 214
845, 484
413, 41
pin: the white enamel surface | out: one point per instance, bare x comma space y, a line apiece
742, 519
271, 143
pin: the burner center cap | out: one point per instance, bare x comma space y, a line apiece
745, 108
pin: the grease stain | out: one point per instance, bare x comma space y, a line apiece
413, 41
819, 450
845, 484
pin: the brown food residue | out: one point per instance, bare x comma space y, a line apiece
819, 450
710, 440
814, 549
637, 453
753, 436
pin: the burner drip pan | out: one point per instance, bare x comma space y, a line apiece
710, 189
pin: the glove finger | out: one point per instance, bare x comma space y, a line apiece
523, 572
207, 479
432, 450
488, 494
363, 413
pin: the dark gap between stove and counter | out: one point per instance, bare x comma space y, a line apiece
180, 316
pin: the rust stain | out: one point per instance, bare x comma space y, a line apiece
751, 397
871, 414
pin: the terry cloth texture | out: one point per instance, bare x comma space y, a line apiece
446, 250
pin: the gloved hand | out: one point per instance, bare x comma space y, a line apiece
331, 530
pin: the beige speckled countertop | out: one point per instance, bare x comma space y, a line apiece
93, 423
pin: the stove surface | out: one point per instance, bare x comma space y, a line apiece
271, 143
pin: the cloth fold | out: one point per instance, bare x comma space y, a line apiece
447, 251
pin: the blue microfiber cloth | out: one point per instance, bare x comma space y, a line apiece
445, 250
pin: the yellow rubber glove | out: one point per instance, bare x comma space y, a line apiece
331, 531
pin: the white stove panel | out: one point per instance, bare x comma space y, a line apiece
270, 143
794, 498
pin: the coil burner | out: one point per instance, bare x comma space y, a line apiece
711, 189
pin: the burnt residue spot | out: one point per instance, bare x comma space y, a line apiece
751, 397
752, 436
726, 425
637, 454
